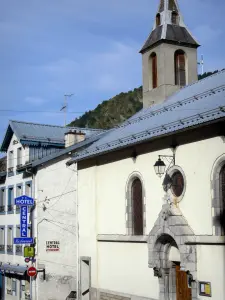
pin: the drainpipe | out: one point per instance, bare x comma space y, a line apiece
77, 236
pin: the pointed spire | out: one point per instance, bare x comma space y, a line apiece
169, 27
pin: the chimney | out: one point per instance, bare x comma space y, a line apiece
73, 137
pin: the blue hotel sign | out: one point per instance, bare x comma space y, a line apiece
23, 202
23, 221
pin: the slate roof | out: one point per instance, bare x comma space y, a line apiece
65, 151
34, 134
194, 105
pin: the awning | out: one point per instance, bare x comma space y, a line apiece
13, 269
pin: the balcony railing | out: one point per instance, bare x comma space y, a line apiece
2, 208
17, 209
10, 208
2, 248
18, 249
10, 248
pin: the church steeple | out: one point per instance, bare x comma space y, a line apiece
169, 55
169, 27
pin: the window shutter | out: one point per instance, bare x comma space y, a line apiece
137, 203
222, 186
182, 69
154, 71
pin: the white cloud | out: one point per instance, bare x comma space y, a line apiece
110, 70
35, 100
206, 34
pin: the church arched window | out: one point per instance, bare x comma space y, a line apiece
137, 207
180, 68
158, 20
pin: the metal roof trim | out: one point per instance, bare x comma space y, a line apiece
154, 133
172, 106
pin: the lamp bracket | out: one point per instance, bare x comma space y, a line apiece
170, 158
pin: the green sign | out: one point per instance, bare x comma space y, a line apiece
29, 252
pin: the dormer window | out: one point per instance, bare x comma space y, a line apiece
158, 20
174, 18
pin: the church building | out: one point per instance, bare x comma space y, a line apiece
151, 190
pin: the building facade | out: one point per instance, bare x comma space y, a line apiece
145, 236
26, 144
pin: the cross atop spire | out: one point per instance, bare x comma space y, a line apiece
169, 27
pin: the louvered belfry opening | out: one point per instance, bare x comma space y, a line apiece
154, 70
158, 20
161, 6
174, 18
137, 207
172, 6
180, 68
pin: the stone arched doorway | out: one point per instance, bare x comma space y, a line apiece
168, 254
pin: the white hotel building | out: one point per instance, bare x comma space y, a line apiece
25, 143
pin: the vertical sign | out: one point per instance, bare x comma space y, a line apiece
23, 221
23, 201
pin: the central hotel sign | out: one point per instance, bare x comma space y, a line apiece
52, 246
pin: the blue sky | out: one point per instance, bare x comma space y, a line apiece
86, 47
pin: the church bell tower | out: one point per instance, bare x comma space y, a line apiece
169, 55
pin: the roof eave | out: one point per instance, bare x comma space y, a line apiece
190, 45
7, 139
74, 160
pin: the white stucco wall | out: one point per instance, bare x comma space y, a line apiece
57, 183
211, 268
87, 212
106, 200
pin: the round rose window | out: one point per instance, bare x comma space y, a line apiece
177, 183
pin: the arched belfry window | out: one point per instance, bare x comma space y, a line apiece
180, 68
153, 70
137, 207
174, 18
158, 20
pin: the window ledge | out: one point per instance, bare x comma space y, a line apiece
120, 238
209, 240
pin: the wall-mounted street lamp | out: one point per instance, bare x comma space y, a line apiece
160, 166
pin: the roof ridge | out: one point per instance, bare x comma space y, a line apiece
169, 106
42, 124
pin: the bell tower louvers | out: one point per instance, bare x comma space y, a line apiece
169, 55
